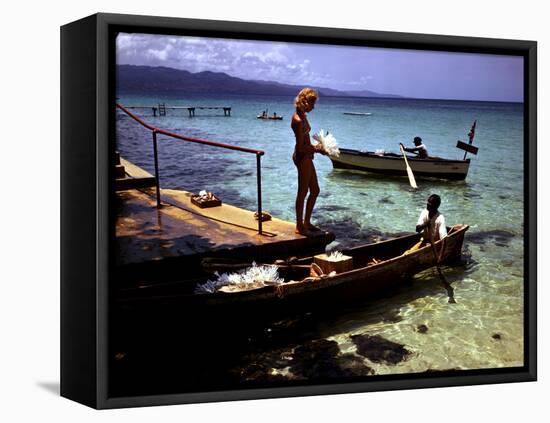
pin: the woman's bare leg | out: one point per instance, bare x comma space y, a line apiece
314, 190
305, 167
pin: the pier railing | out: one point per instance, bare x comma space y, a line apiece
155, 131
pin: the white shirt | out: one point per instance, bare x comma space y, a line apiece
423, 148
436, 229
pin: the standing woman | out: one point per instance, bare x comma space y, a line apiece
303, 159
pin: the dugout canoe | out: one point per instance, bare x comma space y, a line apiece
393, 164
377, 268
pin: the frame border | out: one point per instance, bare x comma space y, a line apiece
109, 24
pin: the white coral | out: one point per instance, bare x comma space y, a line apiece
252, 277
329, 143
335, 256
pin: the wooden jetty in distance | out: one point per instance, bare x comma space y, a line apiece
161, 109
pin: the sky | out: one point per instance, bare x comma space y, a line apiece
408, 73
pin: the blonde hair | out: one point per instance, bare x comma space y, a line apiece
305, 98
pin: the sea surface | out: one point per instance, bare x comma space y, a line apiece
416, 329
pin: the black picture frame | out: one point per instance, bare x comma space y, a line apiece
87, 114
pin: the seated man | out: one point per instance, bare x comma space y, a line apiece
432, 223
419, 149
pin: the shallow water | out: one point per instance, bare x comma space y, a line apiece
484, 329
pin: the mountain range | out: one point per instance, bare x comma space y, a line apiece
133, 79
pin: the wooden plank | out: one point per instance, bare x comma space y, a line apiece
179, 229
137, 177
134, 171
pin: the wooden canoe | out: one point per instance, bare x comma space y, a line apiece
394, 265
393, 164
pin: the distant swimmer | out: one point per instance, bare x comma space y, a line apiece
419, 149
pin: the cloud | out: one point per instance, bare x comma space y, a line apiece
245, 59
361, 83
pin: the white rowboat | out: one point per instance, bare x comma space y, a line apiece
393, 164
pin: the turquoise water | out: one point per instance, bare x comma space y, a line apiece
484, 329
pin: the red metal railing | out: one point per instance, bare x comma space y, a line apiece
155, 131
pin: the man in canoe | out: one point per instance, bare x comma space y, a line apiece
431, 221
419, 149
432, 224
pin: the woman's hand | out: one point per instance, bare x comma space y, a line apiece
319, 149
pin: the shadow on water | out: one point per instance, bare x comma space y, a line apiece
500, 237
300, 344
380, 350
349, 232
156, 352
396, 182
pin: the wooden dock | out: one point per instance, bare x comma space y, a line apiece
181, 233
131, 176
161, 109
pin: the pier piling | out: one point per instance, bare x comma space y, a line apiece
161, 108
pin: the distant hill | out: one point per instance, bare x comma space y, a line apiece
132, 79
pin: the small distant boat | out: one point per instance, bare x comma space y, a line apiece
393, 164
271, 117
357, 113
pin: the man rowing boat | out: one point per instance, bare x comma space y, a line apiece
419, 148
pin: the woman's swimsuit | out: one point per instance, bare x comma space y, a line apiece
297, 157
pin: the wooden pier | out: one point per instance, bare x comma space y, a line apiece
180, 234
161, 109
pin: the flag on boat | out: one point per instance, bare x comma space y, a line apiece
472, 132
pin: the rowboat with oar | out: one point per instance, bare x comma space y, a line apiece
374, 269
393, 164
269, 117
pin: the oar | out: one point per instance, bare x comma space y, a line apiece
447, 285
409, 170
